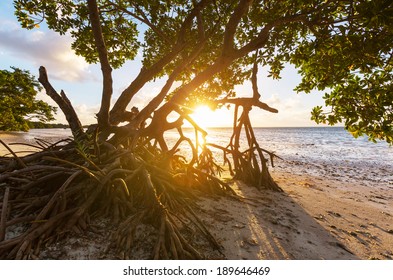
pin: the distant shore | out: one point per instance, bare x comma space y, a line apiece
16, 139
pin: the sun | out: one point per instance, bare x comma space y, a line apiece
205, 117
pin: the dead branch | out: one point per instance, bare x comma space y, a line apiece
64, 104
246, 102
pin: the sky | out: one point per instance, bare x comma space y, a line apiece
82, 83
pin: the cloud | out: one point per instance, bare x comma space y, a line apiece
45, 48
273, 101
293, 103
292, 111
85, 113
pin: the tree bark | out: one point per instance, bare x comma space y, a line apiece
156, 101
103, 114
145, 75
230, 30
64, 104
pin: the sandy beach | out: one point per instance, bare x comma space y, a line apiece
315, 218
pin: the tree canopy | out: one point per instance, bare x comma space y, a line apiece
341, 47
18, 105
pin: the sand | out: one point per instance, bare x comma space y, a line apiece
315, 218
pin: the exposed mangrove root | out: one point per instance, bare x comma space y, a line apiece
131, 188
251, 165
4, 210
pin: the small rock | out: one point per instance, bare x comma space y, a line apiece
319, 217
251, 242
239, 226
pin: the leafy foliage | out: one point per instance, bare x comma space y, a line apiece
72, 17
352, 58
341, 47
17, 101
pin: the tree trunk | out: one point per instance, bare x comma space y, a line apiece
107, 89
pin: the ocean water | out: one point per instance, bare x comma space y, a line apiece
322, 151
13, 139
329, 151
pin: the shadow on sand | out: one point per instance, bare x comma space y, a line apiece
269, 225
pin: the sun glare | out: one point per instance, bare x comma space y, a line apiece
205, 117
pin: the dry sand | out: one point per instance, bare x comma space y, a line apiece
315, 218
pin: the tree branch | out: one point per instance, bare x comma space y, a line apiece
256, 95
144, 76
64, 103
147, 74
143, 18
103, 114
188, 21
246, 102
230, 30
156, 101
201, 26
227, 56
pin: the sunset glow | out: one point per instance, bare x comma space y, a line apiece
205, 117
